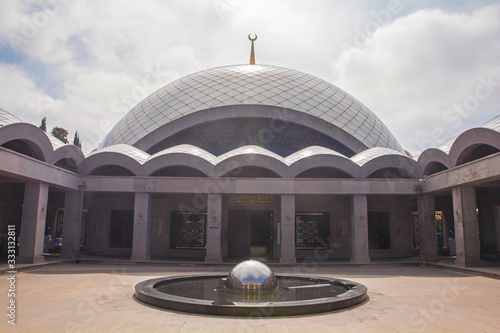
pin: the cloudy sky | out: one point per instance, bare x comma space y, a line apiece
428, 69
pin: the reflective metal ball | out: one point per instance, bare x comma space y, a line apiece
251, 275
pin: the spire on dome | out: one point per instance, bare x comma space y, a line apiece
252, 53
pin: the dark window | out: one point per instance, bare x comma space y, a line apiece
122, 228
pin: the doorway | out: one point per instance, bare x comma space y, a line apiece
379, 230
261, 235
250, 234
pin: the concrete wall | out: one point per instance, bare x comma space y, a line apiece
401, 224
162, 207
99, 206
340, 236
11, 201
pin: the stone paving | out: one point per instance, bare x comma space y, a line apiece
99, 298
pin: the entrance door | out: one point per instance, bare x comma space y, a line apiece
379, 230
261, 235
250, 234
238, 240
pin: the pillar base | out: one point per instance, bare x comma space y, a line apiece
428, 258
288, 261
213, 260
358, 260
139, 257
467, 263
30, 260
69, 255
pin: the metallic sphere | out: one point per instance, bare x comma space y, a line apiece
251, 275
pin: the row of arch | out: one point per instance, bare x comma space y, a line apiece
469, 146
251, 161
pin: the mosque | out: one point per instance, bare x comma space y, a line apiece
250, 161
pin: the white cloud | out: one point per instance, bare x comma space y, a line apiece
21, 97
414, 71
94, 60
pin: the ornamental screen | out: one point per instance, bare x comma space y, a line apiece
188, 230
416, 232
312, 230
83, 225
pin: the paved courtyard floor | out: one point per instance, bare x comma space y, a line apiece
89, 297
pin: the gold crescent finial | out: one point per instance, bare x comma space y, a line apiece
252, 53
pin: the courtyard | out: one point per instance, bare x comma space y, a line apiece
94, 296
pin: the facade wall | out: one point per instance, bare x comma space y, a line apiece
162, 206
100, 207
339, 239
400, 210
11, 202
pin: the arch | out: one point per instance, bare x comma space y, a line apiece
234, 163
67, 164
392, 166
432, 168
108, 158
69, 157
277, 116
28, 139
158, 162
475, 152
466, 144
111, 170
25, 147
223, 135
325, 161
431, 161
323, 172
390, 173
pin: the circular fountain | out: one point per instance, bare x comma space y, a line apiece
251, 289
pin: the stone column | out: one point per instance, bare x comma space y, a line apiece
466, 227
33, 222
214, 227
427, 227
359, 229
288, 229
72, 223
142, 225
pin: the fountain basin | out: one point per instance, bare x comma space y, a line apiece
294, 295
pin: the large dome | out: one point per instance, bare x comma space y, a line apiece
261, 85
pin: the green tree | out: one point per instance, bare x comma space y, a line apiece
77, 141
60, 133
43, 125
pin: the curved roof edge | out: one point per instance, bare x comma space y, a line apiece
449, 152
46, 147
142, 164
